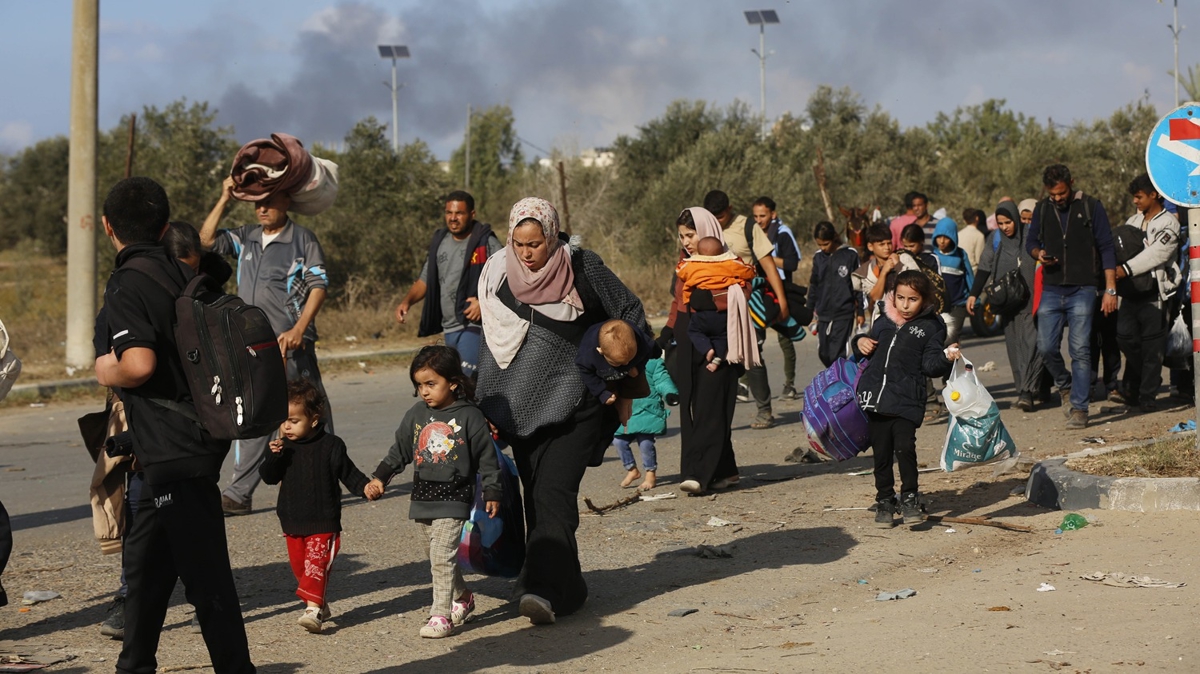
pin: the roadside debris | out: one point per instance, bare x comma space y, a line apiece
1046, 587
38, 596
898, 594
681, 612
1119, 579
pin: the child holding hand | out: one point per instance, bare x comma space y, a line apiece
307, 463
448, 441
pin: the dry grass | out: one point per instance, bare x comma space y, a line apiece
33, 307
33, 298
1168, 458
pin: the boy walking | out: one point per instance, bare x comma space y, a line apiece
178, 531
1145, 282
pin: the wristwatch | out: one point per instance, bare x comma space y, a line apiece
1112, 292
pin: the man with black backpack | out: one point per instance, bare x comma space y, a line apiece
281, 270
1146, 247
178, 531
751, 244
1071, 236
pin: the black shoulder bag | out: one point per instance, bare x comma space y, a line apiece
1009, 293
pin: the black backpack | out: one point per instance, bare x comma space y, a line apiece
1128, 241
230, 355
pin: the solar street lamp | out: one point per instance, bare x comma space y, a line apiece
760, 18
393, 52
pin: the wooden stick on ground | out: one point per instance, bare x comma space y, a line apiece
980, 521
612, 506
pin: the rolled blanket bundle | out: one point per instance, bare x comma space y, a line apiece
281, 164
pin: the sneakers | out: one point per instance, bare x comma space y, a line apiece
1077, 419
762, 422
743, 394
1065, 395
1114, 396
910, 509
460, 611
687, 487
789, 393
885, 513
538, 610
232, 508
1025, 402
114, 623
311, 619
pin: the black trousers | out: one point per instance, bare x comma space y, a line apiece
706, 404
551, 463
6, 546
893, 438
832, 337
1105, 344
178, 533
1142, 335
708, 330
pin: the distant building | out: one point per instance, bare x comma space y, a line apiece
592, 157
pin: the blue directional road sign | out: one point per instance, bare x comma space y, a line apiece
1173, 156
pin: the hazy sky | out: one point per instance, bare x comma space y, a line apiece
579, 72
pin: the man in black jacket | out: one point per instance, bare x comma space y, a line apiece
178, 531
450, 280
1071, 236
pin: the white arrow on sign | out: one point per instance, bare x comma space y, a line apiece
1182, 150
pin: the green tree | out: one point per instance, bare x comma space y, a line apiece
496, 163
33, 196
387, 206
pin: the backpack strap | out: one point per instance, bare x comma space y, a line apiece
750, 225
156, 273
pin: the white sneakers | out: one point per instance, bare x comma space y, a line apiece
313, 617
690, 487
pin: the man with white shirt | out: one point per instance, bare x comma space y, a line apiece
1145, 282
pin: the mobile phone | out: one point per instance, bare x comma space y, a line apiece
1049, 259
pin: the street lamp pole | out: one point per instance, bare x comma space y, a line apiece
394, 52
761, 18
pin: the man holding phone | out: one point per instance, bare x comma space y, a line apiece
1071, 236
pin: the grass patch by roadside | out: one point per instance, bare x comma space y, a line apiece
1168, 458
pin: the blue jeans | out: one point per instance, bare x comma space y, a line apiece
466, 342
1071, 308
645, 442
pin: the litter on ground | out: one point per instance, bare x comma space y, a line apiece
1119, 579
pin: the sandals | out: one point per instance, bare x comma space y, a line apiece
760, 423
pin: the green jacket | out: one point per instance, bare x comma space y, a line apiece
650, 413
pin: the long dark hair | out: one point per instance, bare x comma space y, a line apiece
445, 361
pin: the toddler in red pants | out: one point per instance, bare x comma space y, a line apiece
307, 463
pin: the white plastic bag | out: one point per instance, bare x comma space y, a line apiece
10, 365
1179, 340
964, 395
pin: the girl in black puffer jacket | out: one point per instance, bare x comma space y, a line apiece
905, 347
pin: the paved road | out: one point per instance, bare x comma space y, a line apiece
45, 472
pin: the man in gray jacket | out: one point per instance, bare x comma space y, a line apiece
1144, 282
281, 270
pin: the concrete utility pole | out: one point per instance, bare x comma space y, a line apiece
467, 169
1176, 29
81, 191
393, 52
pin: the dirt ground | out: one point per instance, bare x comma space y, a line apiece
798, 593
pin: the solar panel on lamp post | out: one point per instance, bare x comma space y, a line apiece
760, 18
393, 52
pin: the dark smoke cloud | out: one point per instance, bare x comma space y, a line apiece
587, 71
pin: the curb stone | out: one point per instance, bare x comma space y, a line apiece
1052, 485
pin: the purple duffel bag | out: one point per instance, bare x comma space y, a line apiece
836, 426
